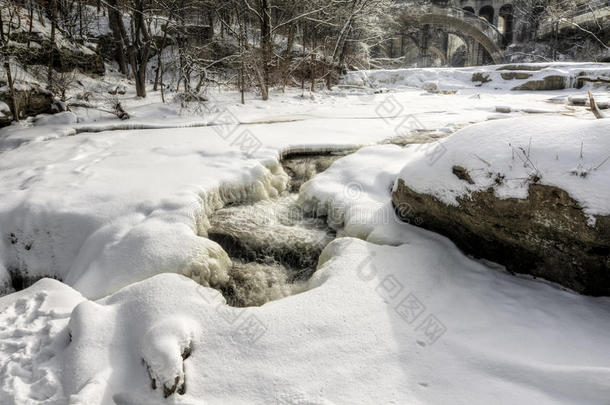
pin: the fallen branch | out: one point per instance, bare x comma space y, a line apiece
118, 109
120, 112
598, 114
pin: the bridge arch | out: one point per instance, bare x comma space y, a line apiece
457, 52
505, 22
458, 22
487, 12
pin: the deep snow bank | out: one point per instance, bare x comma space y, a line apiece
104, 210
416, 323
100, 213
33, 335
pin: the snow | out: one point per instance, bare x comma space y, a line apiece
508, 155
350, 338
353, 202
462, 78
33, 335
120, 215
62, 118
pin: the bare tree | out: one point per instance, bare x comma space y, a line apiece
52, 45
8, 16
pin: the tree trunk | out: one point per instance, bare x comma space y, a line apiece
265, 20
243, 47
159, 61
31, 15
304, 36
242, 81
288, 56
9, 78
211, 20
52, 45
313, 64
80, 19
4, 39
140, 48
119, 34
162, 86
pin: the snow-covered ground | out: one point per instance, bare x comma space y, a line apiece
397, 316
498, 77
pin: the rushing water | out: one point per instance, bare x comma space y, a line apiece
274, 244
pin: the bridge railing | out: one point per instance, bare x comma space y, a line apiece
592, 7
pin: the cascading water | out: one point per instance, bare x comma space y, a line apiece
273, 244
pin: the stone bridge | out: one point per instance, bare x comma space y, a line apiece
485, 27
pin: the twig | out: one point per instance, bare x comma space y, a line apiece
528, 160
482, 160
602, 163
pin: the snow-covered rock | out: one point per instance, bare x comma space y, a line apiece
524, 76
531, 194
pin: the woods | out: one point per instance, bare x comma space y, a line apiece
187, 46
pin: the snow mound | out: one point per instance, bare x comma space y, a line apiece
416, 323
32, 336
509, 155
354, 193
102, 212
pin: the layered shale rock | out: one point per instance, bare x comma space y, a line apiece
545, 235
529, 193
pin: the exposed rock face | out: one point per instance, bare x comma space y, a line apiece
545, 235
597, 81
552, 82
532, 68
515, 75
5, 117
480, 77
66, 57
32, 101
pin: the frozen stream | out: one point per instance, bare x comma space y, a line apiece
273, 244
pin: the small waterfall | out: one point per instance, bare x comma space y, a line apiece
274, 244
